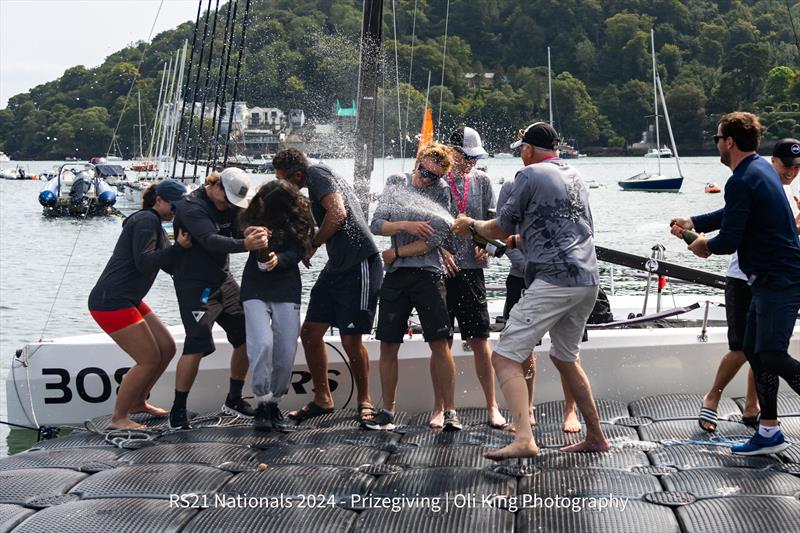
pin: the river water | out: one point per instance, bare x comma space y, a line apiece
48, 266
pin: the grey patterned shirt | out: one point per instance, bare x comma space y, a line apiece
550, 203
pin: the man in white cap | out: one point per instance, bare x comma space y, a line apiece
466, 288
550, 203
206, 290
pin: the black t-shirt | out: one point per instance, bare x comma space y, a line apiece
214, 234
141, 250
282, 283
352, 243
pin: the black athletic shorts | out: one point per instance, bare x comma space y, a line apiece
348, 299
223, 307
737, 302
466, 301
514, 287
406, 289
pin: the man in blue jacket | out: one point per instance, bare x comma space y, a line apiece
758, 223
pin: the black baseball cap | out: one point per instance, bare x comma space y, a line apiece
788, 151
539, 134
171, 190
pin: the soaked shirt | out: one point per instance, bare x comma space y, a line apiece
480, 200
515, 255
352, 243
401, 201
550, 203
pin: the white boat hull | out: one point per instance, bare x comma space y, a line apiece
73, 379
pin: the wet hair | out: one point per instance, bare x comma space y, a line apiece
744, 128
212, 178
438, 154
149, 197
279, 206
290, 161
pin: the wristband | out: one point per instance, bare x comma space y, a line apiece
396, 252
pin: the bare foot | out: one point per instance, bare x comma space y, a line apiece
515, 449
150, 409
124, 424
571, 424
437, 420
496, 420
588, 446
532, 417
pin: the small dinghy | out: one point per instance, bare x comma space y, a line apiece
712, 188
77, 191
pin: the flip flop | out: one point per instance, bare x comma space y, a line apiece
751, 421
366, 412
709, 417
309, 410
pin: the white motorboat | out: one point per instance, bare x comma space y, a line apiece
662, 152
4, 158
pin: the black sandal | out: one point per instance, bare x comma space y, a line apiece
366, 412
709, 417
751, 421
309, 410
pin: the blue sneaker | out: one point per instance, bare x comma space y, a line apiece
758, 445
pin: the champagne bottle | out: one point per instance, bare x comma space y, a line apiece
492, 246
262, 258
689, 236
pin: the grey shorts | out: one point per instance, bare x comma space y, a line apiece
544, 307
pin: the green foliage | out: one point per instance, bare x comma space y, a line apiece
713, 57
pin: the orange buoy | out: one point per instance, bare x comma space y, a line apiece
712, 188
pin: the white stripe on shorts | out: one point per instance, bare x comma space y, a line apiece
364, 285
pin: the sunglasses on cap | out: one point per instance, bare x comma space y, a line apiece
466, 157
427, 174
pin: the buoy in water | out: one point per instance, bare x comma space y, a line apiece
712, 188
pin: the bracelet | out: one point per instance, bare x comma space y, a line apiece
513, 241
396, 252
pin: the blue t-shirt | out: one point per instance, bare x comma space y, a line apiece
550, 203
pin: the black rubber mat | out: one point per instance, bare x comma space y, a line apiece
11, 515
679, 406
202, 453
100, 459
294, 481
670, 498
244, 436
790, 425
77, 439
623, 459
654, 470
633, 421
344, 418
637, 517
791, 454
335, 435
469, 416
715, 482
152, 481
44, 502
142, 418
440, 481
19, 486
428, 520
589, 482
788, 404
126, 515
553, 436
684, 431
468, 455
746, 514
480, 435
688, 456
323, 454
259, 520
553, 412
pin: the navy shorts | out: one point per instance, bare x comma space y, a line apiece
347, 300
222, 306
466, 302
737, 303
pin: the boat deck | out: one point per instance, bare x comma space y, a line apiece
670, 475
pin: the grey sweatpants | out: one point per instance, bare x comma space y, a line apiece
272, 331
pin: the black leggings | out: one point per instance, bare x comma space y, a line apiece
767, 367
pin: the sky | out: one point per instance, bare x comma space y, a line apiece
40, 39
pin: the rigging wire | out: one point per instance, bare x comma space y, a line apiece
360, 58
236, 78
397, 74
219, 97
135, 78
410, 71
205, 87
186, 90
225, 83
444, 58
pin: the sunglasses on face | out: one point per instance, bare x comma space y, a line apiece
468, 158
718, 137
172, 207
427, 174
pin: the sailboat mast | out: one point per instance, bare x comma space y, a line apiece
669, 126
655, 99
368, 89
549, 86
139, 97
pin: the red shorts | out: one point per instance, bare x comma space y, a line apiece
111, 321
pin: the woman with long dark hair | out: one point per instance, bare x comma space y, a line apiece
271, 294
116, 302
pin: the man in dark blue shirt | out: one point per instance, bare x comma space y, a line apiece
758, 223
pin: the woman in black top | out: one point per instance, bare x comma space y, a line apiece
116, 300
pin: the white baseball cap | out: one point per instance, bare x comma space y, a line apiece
468, 140
236, 184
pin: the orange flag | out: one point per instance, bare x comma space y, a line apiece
426, 134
